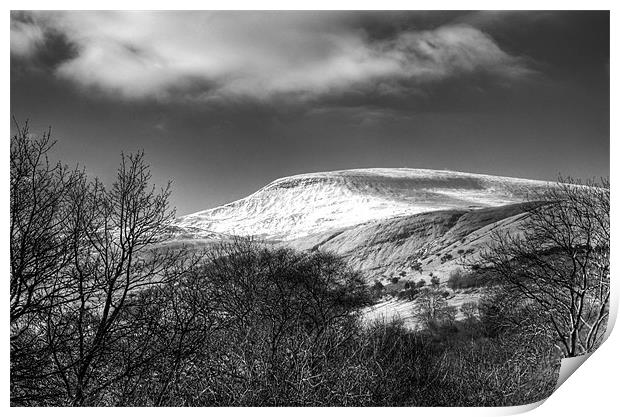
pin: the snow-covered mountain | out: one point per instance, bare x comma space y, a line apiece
301, 205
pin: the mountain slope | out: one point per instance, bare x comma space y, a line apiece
408, 249
301, 205
413, 247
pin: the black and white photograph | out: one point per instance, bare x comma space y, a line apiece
306, 208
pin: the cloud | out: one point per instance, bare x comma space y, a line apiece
26, 38
263, 56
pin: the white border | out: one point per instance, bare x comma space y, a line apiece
590, 391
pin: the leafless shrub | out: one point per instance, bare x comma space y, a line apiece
470, 310
473, 277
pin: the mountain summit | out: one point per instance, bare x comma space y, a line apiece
299, 205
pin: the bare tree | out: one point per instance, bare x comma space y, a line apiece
113, 257
37, 224
81, 254
39, 252
557, 262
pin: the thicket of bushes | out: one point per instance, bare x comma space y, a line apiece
255, 326
475, 278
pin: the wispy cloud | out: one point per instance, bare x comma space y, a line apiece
26, 38
229, 56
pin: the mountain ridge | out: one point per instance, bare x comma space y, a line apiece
300, 205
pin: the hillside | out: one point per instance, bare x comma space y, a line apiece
393, 247
408, 249
302, 205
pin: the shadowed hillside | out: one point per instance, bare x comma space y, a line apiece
437, 240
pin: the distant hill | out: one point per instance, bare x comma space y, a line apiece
302, 205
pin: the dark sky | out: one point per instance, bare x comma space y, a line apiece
223, 103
